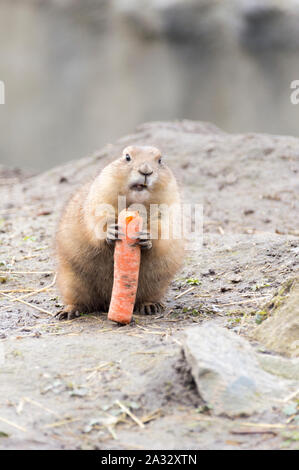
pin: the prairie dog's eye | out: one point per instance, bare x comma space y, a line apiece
160, 160
128, 158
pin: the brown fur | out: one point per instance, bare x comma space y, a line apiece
85, 263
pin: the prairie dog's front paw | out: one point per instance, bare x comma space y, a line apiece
143, 240
113, 234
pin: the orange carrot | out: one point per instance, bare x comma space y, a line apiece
126, 268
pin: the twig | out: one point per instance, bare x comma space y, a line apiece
257, 431
185, 292
56, 424
37, 291
154, 415
112, 432
290, 419
29, 305
40, 248
20, 407
15, 291
13, 424
291, 396
104, 330
268, 425
39, 405
244, 301
27, 257
101, 366
26, 272
129, 413
151, 332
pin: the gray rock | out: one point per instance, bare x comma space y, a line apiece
227, 373
281, 366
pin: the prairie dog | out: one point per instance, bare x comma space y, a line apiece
85, 259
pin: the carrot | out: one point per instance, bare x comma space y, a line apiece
126, 268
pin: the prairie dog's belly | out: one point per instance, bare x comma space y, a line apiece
98, 273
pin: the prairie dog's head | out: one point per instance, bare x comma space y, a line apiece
143, 176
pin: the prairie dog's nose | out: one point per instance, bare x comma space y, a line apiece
145, 169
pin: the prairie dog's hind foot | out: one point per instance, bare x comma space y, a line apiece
69, 312
149, 308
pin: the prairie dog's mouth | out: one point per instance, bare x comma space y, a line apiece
138, 187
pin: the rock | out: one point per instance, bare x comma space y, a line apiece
227, 373
281, 366
280, 332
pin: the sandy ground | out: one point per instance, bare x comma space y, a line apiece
65, 384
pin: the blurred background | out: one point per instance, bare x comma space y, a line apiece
81, 73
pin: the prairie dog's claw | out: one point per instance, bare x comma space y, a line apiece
143, 240
68, 313
113, 234
149, 308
